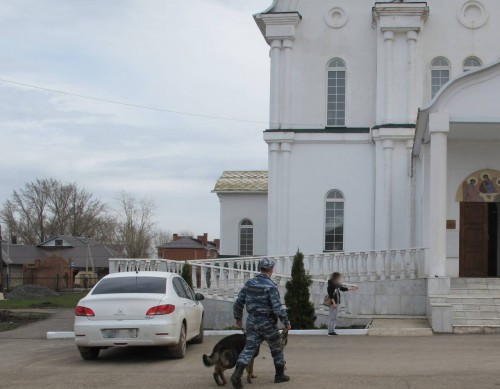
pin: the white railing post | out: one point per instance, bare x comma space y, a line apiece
203, 272
224, 292
403, 270
322, 295
354, 266
412, 264
373, 268
392, 264
383, 271
364, 266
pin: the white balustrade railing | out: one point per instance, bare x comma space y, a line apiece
222, 278
355, 266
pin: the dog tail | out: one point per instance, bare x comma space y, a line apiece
209, 360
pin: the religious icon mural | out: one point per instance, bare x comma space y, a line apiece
481, 186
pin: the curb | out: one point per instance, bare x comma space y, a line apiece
61, 335
71, 335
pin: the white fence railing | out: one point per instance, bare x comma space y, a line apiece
222, 278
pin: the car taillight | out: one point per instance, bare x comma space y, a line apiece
160, 310
84, 311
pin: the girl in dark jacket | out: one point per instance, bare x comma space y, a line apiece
335, 286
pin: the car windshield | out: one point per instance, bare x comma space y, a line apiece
138, 284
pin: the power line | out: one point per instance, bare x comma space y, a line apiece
130, 104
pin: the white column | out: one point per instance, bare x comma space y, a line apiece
388, 42
388, 146
439, 125
411, 37
411, 196
273, 198
286, 148
286, 79
274, 112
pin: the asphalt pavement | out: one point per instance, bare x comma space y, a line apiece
347, 362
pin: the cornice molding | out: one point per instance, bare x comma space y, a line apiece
400, 16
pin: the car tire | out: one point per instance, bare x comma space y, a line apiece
89, 353
179, 351
199, 338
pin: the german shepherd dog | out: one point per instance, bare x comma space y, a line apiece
225, 355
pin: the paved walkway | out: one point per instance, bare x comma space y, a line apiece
59, 320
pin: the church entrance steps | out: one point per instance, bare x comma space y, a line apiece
399, 326
475, 286
476, 329
474, 305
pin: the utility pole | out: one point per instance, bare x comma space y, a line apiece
2, 273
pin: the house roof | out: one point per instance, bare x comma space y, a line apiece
255, 181
78, 252
188, 243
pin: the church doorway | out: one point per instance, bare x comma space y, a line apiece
479, 239
479, 197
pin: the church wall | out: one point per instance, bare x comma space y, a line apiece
356, 43
443, 35
319, 168
233, 209
315, 45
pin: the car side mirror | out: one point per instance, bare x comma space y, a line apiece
199, 297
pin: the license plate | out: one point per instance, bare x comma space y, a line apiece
120, 333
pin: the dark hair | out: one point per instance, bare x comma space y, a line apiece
335, 276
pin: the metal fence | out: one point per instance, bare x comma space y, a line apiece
56, 283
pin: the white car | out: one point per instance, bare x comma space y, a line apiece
145, 308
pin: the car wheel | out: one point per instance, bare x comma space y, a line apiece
179, 351
89, 353
199, 338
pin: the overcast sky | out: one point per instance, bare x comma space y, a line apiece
200, 56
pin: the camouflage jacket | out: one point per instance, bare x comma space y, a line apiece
262, 299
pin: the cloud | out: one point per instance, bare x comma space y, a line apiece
201, 56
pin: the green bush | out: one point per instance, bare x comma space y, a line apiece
187, 274
300, 308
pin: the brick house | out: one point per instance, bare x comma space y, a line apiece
29, 264
183, 248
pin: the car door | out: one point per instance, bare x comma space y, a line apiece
192, 310
186, 303
182, 298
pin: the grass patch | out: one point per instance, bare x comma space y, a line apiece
65, 300
10, 321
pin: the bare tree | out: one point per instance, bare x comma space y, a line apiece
136, 228
46, 208
161, 237
186, 233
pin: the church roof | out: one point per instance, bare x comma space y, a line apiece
242, 182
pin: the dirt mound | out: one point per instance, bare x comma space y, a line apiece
31, 291
6, 316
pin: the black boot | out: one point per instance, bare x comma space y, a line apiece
280, 375
236, 377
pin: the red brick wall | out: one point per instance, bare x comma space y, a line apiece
53, 272
186, 254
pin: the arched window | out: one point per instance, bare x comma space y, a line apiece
440, 74
246, 238
471, 63
334, 221
336, 93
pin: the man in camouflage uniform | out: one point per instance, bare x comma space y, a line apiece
262, 299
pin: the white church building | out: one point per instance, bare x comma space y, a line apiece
384, 133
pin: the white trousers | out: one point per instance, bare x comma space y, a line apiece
332, 318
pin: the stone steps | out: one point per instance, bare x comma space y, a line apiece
475, 314
476, 329
475, 305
